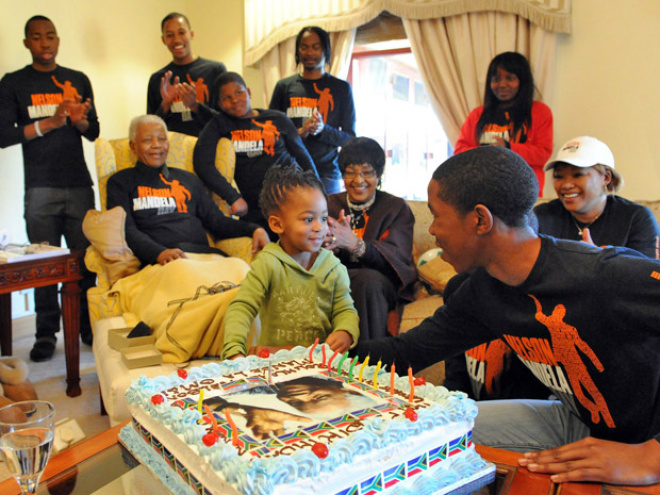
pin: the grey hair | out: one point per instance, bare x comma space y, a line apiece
143, 119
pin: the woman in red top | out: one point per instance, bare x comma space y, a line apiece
509, 116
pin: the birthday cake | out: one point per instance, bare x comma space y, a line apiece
298, 423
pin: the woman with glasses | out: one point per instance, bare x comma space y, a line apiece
371, 232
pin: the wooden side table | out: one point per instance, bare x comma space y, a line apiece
66, 270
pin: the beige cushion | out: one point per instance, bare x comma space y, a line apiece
105, 230
436, 273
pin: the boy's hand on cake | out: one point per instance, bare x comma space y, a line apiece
603, 461
339, 340
236, 356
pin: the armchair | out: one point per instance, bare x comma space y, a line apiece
112, 156
111, 259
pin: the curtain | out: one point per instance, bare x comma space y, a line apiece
453, 54
453, 41
270, 22
280, 61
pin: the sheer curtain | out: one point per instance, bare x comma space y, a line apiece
280, 61
453, 54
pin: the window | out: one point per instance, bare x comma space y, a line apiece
393, 107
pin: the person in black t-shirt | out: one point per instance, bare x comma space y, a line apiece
183, 91
47, 108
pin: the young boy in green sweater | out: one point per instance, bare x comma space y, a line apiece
300, 290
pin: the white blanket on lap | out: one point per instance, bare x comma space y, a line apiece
183, 302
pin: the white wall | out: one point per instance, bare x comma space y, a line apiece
117, 44
608, 73
608, 86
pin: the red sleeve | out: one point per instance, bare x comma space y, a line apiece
467, 140
538, 147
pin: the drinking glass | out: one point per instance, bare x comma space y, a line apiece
26, 437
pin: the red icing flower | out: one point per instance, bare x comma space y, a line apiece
209, 439
264, 353
410, 414
157, 399
182, 374
320, 450
419, 381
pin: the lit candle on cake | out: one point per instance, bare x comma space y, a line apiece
392, 375
412, 384
214, 423
350, 368
341, 362
331, 359
378, 365
234, 430
364, 365
201, 399
311, 351
323, 354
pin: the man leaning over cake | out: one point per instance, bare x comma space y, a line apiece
584, 319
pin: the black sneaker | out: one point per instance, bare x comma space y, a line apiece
43, 349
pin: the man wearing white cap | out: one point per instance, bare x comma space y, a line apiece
587, 209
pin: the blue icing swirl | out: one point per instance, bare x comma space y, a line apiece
442, 477
339, 454
286, 471
220, 454
469, 463
430, 484
362, 441
256, 480
387, 432
234, 469
309, 465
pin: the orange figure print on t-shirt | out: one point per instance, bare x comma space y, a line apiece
326, 102
179, 193
69, 91
270, 135
496, 352
201, 89
565, 342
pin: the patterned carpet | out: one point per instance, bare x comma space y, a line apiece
49, 381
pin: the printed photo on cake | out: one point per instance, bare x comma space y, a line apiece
276, 409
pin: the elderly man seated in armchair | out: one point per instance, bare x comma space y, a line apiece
168, 215
168, 210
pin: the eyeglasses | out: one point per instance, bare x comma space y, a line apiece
365, 174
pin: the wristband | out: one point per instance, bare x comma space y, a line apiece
36, 128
